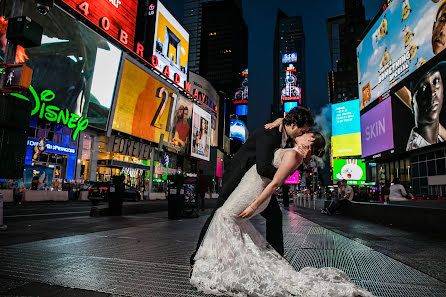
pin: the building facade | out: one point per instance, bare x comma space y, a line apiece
344, 34
288, 64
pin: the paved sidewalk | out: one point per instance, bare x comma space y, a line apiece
151, 259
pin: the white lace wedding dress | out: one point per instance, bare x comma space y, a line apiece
235, 260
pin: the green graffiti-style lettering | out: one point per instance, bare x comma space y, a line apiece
64, 115
51, 113
72, 121
36, 99
82, 124
47, 95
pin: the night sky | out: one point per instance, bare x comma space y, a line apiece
260, 16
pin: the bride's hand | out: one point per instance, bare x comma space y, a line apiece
247, 213
276, 123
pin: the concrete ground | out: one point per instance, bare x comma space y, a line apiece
147, 254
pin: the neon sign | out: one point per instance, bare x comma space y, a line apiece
53, 113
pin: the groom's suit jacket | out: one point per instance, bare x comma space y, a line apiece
258, 149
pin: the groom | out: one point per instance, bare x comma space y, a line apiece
259, 149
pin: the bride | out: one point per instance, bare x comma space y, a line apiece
235, 260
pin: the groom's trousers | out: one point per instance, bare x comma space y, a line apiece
273, 215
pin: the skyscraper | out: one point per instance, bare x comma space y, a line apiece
344, 33
288, 64
193, 17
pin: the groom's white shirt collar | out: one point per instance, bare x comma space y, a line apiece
284, 138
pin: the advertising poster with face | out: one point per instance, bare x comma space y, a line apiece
144, 105
405, 36
181, 125
420, 114
201, 134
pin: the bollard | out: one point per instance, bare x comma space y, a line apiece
2, 227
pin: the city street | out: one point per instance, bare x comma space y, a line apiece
147, 255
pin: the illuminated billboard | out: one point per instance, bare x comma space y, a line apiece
116, 18
171, 46
201, 134
289, 58
237, 130
241, 110
377, 129
349, 169
241, 95
291, 91
74, 64
346, 129
181, 125
293, 179
404, 37
144, 105
287, 106
419, 108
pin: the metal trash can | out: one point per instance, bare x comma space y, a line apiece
174, 203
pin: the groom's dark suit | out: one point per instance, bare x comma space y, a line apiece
258, 149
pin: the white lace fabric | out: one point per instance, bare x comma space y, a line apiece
234, 259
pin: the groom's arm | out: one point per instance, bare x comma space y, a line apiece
266, 144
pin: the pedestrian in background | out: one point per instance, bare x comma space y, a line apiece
202, 188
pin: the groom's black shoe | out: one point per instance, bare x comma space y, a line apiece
191, 270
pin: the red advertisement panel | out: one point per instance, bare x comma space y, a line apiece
116, 17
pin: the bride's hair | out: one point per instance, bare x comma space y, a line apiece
318, 146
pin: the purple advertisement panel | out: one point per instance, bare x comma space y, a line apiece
377, 129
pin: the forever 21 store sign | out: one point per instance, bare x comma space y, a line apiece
129, 147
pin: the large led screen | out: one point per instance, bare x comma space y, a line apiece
405, 36
181, 125
171, 45
289, 58
346, 129
144, 105
293, 179
349, 169
377, 129
75, 63
237, 130
420, 112
201, 134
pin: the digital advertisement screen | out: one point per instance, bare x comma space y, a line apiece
75, 63
405, 36
201, 134
349, 169
181, 124
241, 110
144, 105
171, 45
289, 58
113, 17
293, 179
420, 111
346, 129
287, 106
237, 130
377, 129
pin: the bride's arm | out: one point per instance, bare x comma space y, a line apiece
289, 162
